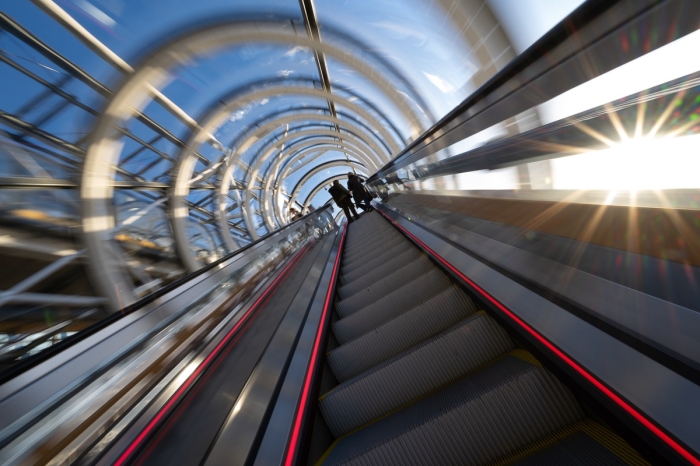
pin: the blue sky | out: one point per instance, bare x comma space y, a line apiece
413, 36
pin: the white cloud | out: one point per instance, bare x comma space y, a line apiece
402, 32
440, 83
285, 73
294, 50
96, 13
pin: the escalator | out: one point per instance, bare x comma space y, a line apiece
422, 375
196, 430
418, 369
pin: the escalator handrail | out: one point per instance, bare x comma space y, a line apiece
33, 360
535, 64
184, 389
553, 349
313, 368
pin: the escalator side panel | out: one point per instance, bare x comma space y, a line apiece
187, 437
632, 379
427, 379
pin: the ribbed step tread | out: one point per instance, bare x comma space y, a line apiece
375, 257
576, 450
413, 268
356, 322
415, 373
354, 259
367, 231
502, 408
371, 239
606, 439
401, 333
388, 268
369, 235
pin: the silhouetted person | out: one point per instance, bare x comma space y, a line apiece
294, 214
343, 199
359, 192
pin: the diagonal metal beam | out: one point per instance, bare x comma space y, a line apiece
314, 31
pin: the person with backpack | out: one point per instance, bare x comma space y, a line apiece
359, 192
343, 199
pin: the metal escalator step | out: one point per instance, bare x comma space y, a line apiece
412, 267
358, 255
414, 373
362, 238
585, 440
504, 407
368, 216
410, 261
367, 222
376, 260
576, 450
378, 239
401, 333
368, 240
356, 321
385, 250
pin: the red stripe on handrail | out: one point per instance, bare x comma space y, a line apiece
296, 430
587, 375
152, 426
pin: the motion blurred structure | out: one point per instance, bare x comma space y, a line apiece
178, 287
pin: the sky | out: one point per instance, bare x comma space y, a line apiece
412, 37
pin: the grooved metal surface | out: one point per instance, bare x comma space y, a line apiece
577, 450
414, 373
666, 325
401, 333
425, 379
381, 237
372, 235
357, 321
476, 420
382, 286
375, 257
380, 273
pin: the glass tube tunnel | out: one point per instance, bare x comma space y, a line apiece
179, 283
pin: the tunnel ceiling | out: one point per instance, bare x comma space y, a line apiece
171, 133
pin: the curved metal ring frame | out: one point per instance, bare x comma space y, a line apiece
347, 145
281, 167
260, 159
187, 160
104, 151
318, 169
267, 129
319, 187
315, 111
312, 83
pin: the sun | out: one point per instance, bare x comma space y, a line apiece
636, 164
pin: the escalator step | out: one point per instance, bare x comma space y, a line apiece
577, 450
398, 263
504, 407
360, 268
401, 333
582, 443
415, 373
414, 267
358, 321
364, 240
375, 257
366, 230
358, 257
